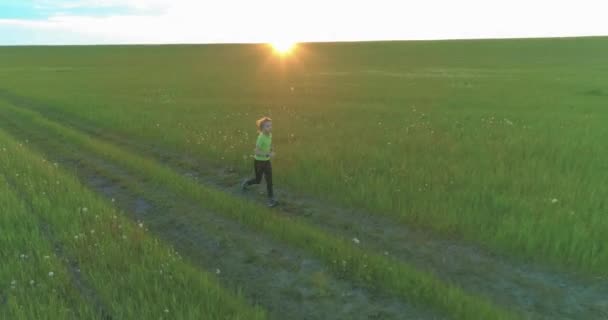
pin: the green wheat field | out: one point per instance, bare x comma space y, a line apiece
415, 180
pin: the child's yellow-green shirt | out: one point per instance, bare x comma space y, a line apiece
264, 144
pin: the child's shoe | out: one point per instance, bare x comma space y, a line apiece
272, 202
244, 185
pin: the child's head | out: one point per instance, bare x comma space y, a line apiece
264, 125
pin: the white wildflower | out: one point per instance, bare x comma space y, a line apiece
218, 271
356, 241
51, 274
554, 200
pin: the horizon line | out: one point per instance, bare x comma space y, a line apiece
303, 42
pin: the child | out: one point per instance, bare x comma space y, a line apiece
261, 164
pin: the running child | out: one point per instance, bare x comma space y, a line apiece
261, 164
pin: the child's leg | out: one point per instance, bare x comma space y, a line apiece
258, 167
268, 177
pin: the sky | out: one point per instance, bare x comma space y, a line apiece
47, 22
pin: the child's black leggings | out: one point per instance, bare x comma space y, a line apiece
262, 168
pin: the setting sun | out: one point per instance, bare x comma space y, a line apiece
283, 47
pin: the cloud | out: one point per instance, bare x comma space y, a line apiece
132, 4
191, 21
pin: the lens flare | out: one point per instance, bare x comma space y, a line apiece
283, 47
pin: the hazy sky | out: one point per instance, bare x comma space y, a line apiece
201, 21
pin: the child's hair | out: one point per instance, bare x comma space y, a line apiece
260, 122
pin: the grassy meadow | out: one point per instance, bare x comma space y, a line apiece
495, 143
69, 254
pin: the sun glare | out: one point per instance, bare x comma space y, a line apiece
283, 47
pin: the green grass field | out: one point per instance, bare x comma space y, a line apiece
431, 180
